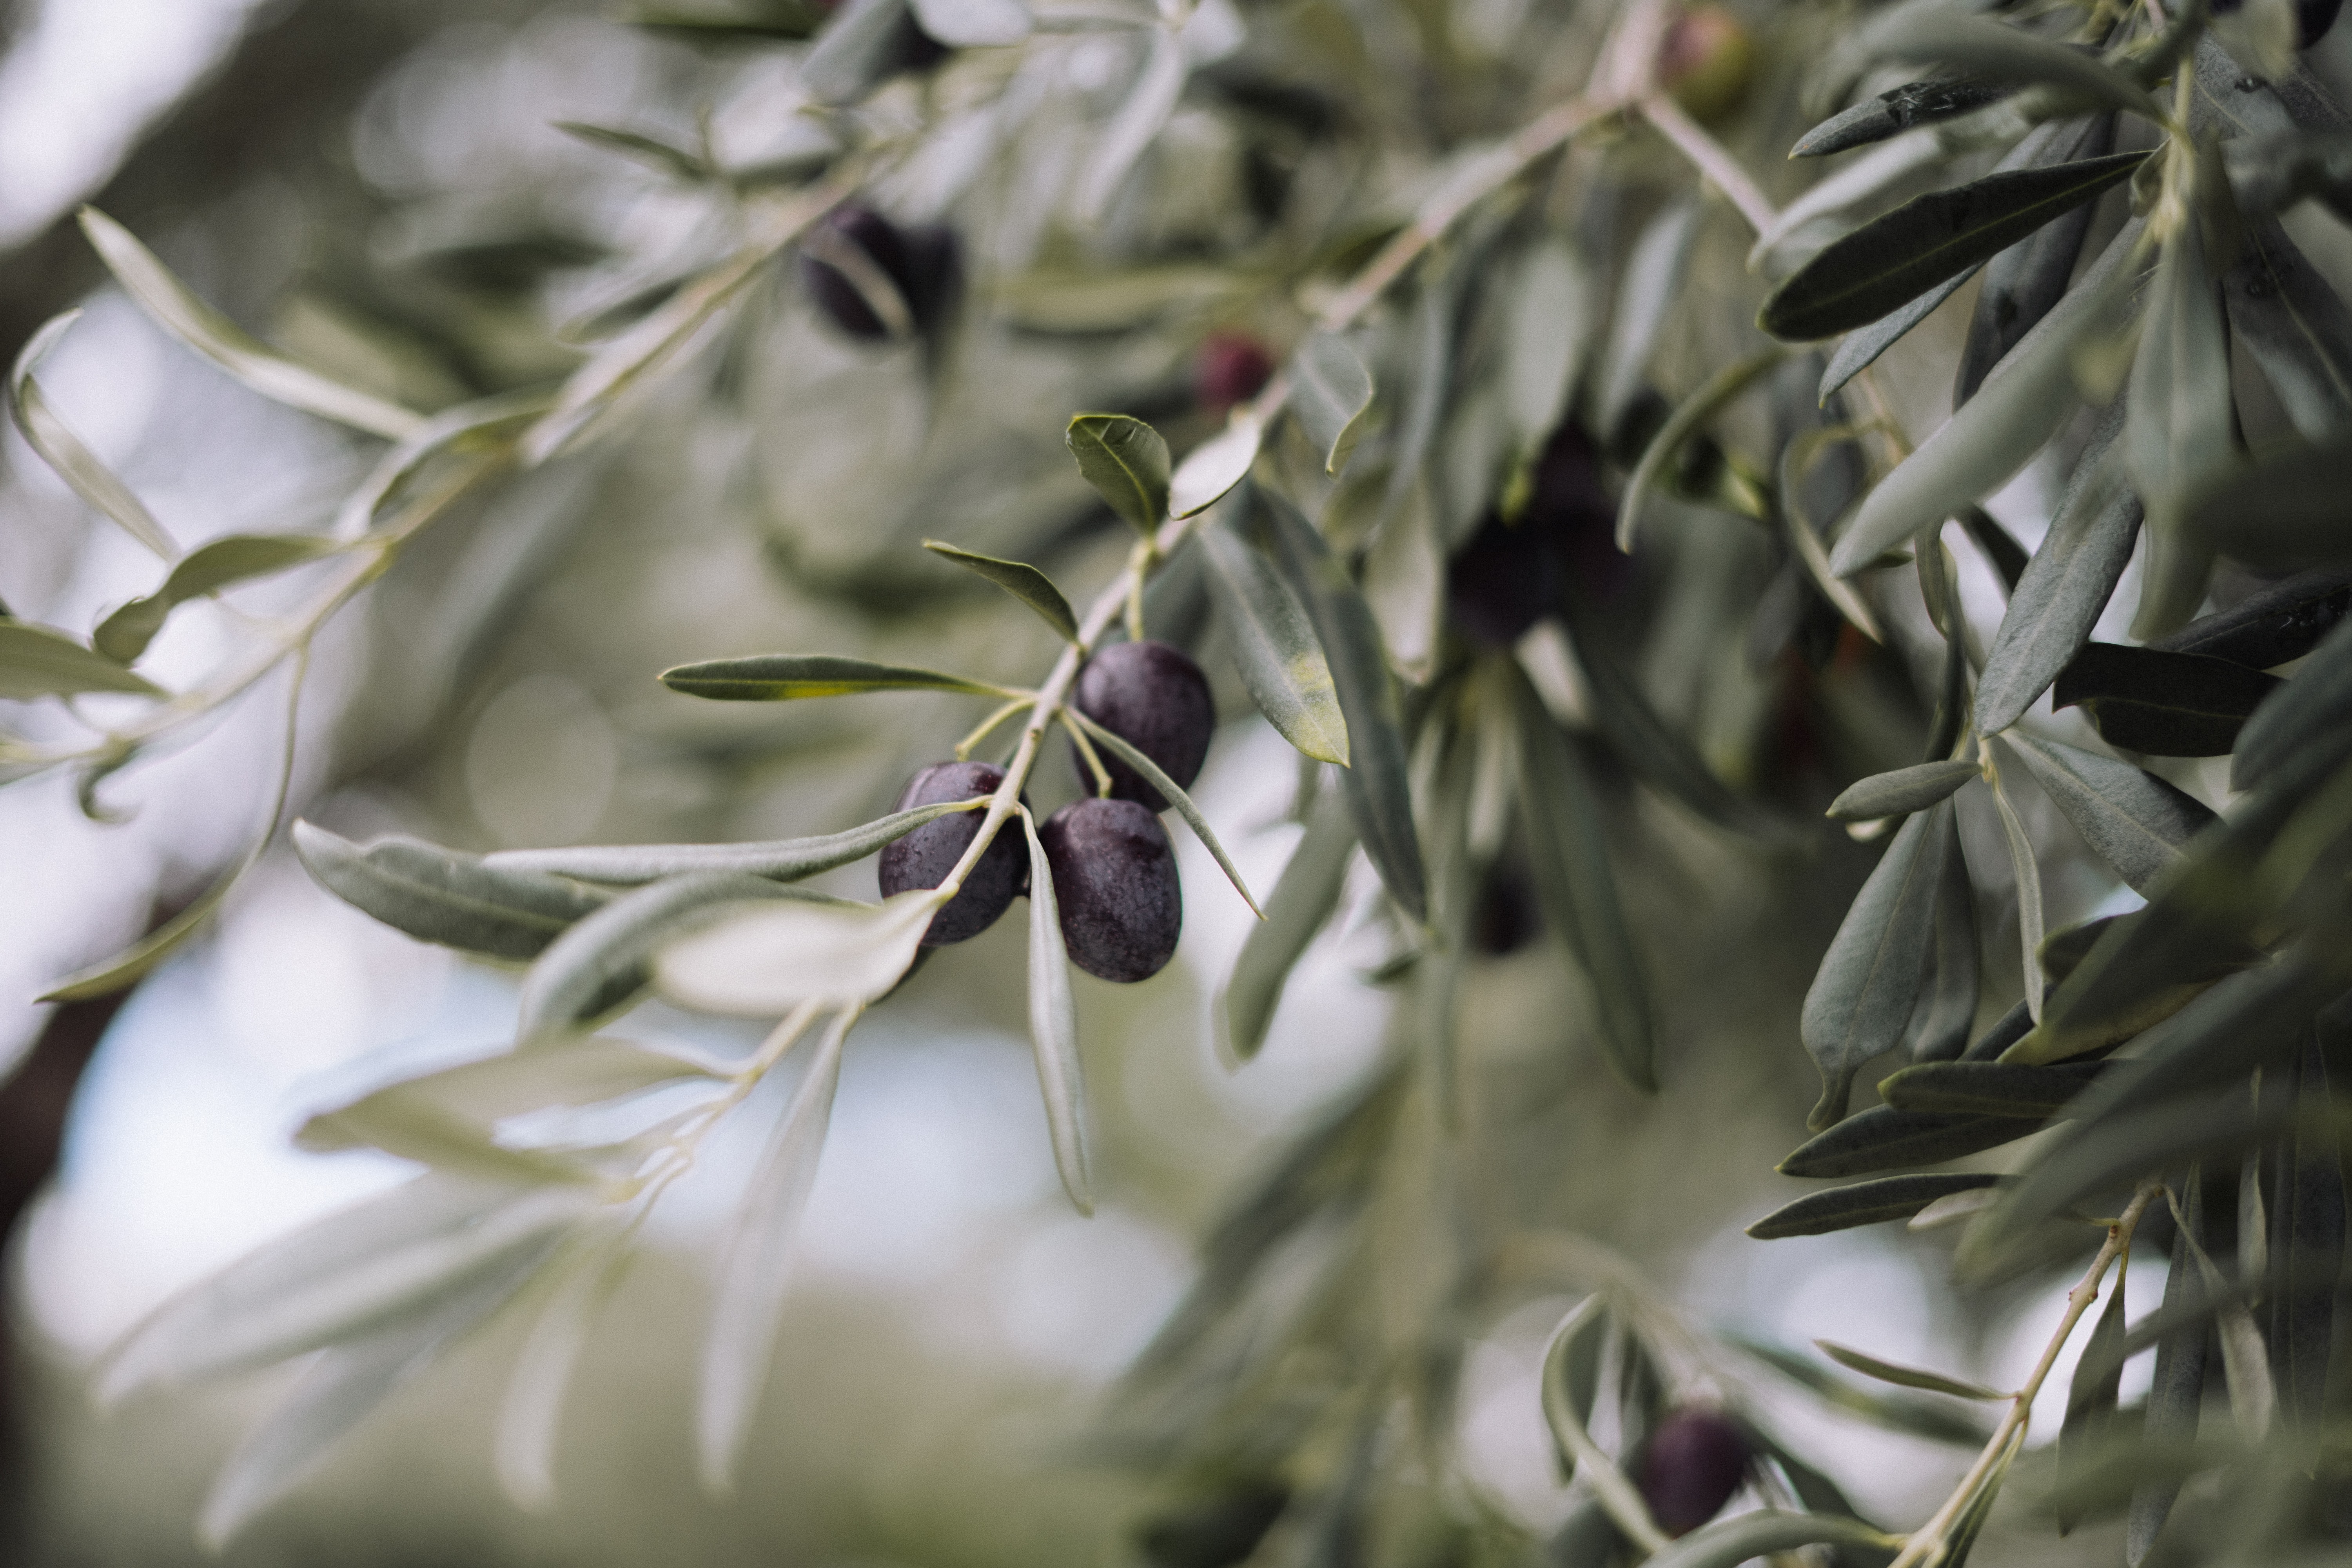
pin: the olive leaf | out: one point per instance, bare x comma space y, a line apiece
2091, 1392
2064, 588
442, 896
1215, 467
2025, 280
2176, 1396
767, 958
576, 1282
1329, 391
1150, 100
2165, 704
54, 443
1898, 794
1988, 50
239, 557
1984, 444
1730, 1542
2277, 513
1379, 790
2182, 425
636, 145
788, 677
1694, 411
1302, 901
740, 1346
1945, 1008
1053, 1029
1904, 1376
1021, 580
856, 50
176, 307
783, 859
2295, 327
1861, 999
1882, 1138
1552, 328
2025, 869
1171, 791
1272, 642
2268, 628
1860, 349
36, 661
1651, 283
2134, 821
1895, 259
1571, 1377
1126, 462
1865, 1203
1896, 109
2312, 709
1928, 1419
1988, 1089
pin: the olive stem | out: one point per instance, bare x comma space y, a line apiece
1086, 746
988, 725
1710, 158
1929, 1540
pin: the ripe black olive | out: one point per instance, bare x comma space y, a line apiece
1230, 368
924, 857
1505, 580
1505, 920
2313, 18
1690, 1467
1115, 879
1156, 699
923, 264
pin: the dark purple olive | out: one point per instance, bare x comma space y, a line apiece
1156, 699
1505, 580
924, 857
1505, 920
933, 283
2312, 20
842, 301
1230, 368
1115, 879
1690, 1467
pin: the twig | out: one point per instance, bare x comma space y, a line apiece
1710, 158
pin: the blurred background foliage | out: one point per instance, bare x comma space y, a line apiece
383, 190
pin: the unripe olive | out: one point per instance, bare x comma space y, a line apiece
1115, 879
924, 857
1230, 368
1703, 64
1156, 699
1692, 1464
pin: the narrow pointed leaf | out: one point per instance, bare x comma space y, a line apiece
441, 896
1329, 391
1893, 111
1859, 349
172, 306
1150, 100
530, 1415
1215, 467
125, 634
54, 443
2091, 1396
37, 662
1021, 580
1992, 52
786, 676
2025, 280
1865, 1203
1652, 284
1126, 462
2295, 328
2164, 704
2283, 622
2025, 869
1303, 898
1054, 1029
2134, 821
1572, 1378
1905, 1376
782, 859
1173, 793
2177, 1397
1861, 999
1929, 1418
1883, 1138
2314, 707
856, 50
1988, 1089
2182, 425
1898, 794
766, 958
1273, 645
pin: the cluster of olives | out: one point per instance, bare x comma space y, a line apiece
1113, 870
923, 263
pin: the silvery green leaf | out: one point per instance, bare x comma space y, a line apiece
1883, 1139
2024, 281
2295, 327
791, 677
1865, 1203
1989, 50
1021, 580
2065, 586
1173, 793
1898, 794
1404, 583
2182, 424
2176, 1396
362, 1268
1730, 1542
1303, 898
173, 307
2267, 628
1551, 332
2027, 871
441, 896
2278, 512
1379, 789
1054, 1029
974, 24
1712, 396
54, 443
1126, 462
339, 1391
125, 634
2135, 822
36, 661
1568, 844
1861, 1000
1945, 1010
763, 959
1571, 1377
856, 51
529, 1415
1900, 255
1330, 391
1431, 357
1893, 111
1983, 445
2315, 707
1861, 181
741, 1342
1988, 1089
1150, 101
483, 429
1905, 1376
2091, 1393
1860, 349
1652, 283
1215, 467
1274, 644
2162, 703
783, 859
651, 150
